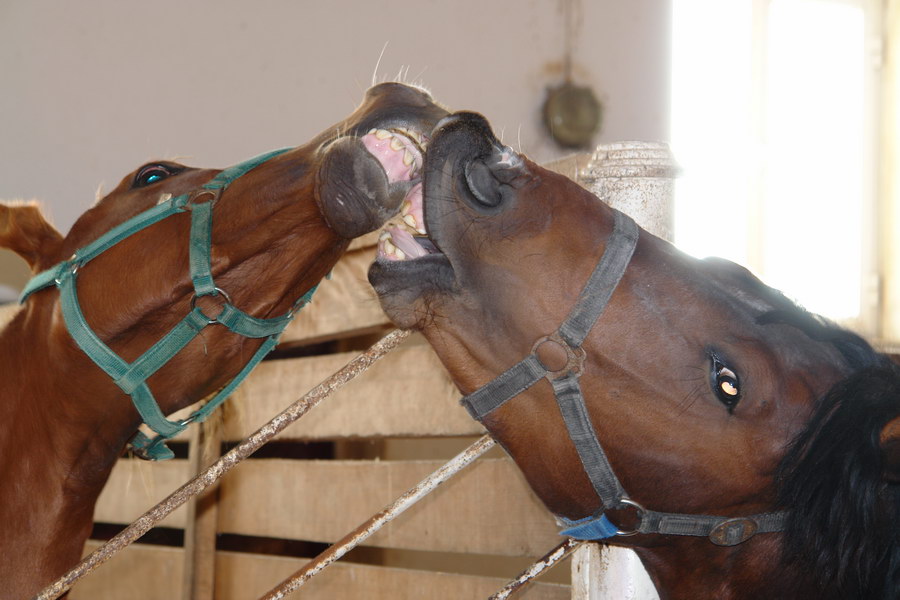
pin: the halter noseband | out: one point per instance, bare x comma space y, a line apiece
594, 297
132, 378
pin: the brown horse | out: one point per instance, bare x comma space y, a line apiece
742, 446
277, 228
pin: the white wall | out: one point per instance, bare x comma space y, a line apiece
90, 90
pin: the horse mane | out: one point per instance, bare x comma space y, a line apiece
842, 530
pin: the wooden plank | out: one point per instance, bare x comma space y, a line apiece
136, 485
243, 576
406, 393
343, 306
368, 240
202, 512
139, 572
487, 509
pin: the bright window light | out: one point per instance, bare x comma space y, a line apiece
769, 125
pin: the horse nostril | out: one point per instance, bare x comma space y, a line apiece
482, 184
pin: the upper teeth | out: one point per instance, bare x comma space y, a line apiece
398, 143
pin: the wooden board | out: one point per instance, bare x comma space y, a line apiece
486, 509
406, 393
139, 572
154, 573
343, 306
243, 576
135, 486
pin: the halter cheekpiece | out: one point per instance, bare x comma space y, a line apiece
132, 377
594, 297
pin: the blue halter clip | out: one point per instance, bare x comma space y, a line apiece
132, 378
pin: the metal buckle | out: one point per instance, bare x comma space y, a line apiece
575, 357
212, 320
733, 531
198, 196
74, 265
639, 512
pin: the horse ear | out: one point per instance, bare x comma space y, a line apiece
890, 450
24, 230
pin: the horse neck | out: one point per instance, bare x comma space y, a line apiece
56, 456
686, 568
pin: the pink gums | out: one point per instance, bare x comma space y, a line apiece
392, 160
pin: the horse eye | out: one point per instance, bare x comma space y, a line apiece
151, 174
726, 384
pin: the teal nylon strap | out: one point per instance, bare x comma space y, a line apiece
201, 247
131, 378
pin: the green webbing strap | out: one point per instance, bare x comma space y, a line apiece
226, 177
201, 245
131, 378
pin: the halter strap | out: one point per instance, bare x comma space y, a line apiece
132, 377
571, 334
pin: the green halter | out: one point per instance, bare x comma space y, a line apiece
132, 378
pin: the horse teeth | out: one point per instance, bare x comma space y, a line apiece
372, 131
405, 207
411, 221
383, 134
385, 235
408, 158
396, 144
399, 253
389, 247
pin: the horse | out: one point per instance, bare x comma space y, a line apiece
236, 250
742, 446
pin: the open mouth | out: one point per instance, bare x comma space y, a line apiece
401, 153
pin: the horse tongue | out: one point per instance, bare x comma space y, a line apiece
405, 241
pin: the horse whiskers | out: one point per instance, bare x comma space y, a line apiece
377, 64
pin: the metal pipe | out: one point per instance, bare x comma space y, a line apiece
379, 520
546, 562
265, 433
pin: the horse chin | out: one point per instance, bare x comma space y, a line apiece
407, 289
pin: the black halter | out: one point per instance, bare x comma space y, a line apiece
571, 334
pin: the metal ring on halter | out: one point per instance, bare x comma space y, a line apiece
198, 196
213, 320
640, 515
74, 269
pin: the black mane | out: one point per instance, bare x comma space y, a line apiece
844, 524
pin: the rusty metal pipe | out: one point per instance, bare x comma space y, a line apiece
262, 435
528, 575
379, 520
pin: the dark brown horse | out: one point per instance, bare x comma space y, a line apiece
742, 446
278, 227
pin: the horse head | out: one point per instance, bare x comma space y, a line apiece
713, 400
202, 267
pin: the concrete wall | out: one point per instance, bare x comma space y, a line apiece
91, 90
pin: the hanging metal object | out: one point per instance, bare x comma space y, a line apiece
571, 112
572, 115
